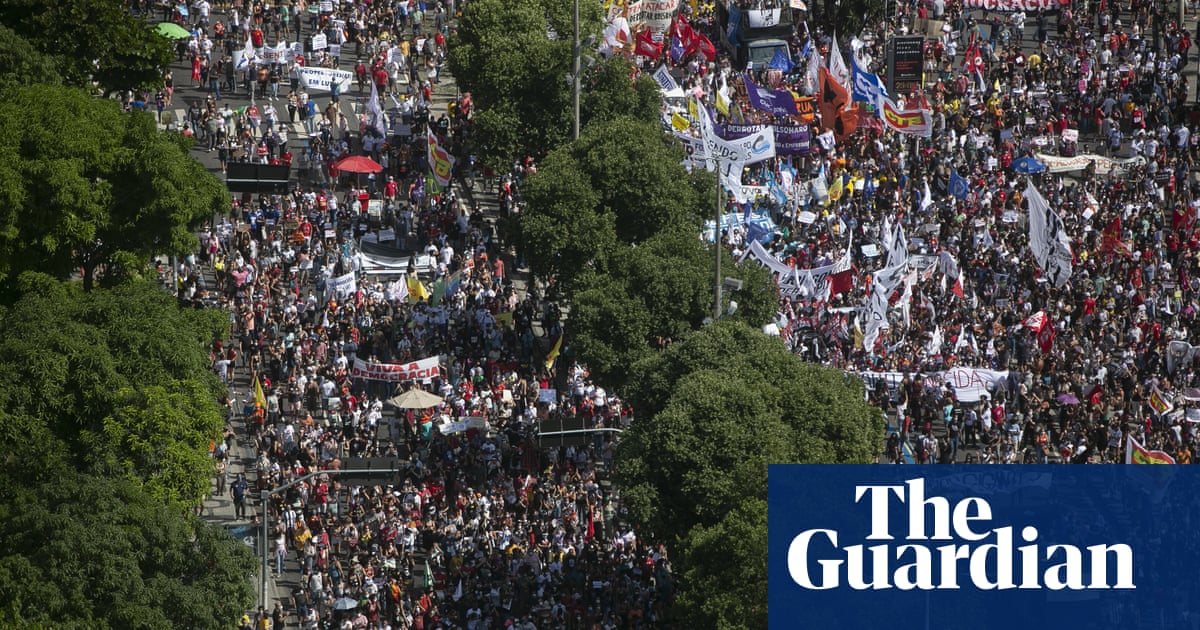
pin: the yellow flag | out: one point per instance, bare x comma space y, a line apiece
260, 399
722, 103
679, 122
858, 337
554, 351
836, 189
693, 109
505, 319
416, 291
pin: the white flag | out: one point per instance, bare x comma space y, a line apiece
1048, 239
665, 81
248, 55
837, 65
926, 198
375, 117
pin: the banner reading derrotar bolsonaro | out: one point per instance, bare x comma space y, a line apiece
984, 547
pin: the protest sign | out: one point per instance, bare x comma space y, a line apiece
424, 370
322, 79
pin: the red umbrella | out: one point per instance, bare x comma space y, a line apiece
357, 164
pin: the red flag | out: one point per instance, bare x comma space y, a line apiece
833, 97
1183, 219
591, 531
1036, 322
841, 282
1110, 239
646, 46
702, 45
957, 289
1046, 338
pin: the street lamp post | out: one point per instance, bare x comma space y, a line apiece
717, 249
575, 73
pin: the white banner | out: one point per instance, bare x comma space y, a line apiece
1104, 165
341, 286
665, 81
278, 54
970, 384
319, 42
1029, 6
1048, 239
450, 426
763, 18
424, 370
657, 14
322, 79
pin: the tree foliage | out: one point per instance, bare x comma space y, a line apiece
622, 179
94, 42
90, 552
84, 185
713, 410
653, 293
22, 64
120, 377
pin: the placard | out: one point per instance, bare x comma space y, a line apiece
319, 42
548, 396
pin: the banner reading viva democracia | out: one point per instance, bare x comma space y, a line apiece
982, 547
1017, 5
424, 370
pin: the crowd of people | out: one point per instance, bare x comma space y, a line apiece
1084, 366
482, 526
487, 528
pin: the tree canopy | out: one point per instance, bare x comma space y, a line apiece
713, 410
653, 293
621, 182
119, 377
85, 185
93, 42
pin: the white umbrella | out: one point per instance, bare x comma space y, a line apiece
415, 399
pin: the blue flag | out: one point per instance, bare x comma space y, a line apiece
866, 86
676, 49
781, 62
959, 187
746, 207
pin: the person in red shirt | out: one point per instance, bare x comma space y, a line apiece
389, 190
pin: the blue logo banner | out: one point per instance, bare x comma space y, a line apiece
983, 547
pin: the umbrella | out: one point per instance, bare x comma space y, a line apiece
1028, 165
357, 164
1067, 399
345, 603
172, 30
415, 399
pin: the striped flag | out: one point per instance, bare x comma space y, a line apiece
1135, 453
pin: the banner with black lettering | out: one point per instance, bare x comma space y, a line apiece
1048, 239
424, 370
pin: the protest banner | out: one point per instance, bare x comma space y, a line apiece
341, 286
424, 370
969, 384
452, 426
657, 14
323, 79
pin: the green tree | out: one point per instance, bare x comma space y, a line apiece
89, 552
623, 178
653, 293
713, 410
85, 186
607, 93
502, 54
96, 42
120, 376
22, 64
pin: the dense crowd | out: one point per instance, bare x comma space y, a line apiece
482, 527
1110, 358
487, 529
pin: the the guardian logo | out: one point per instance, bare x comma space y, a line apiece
974, 554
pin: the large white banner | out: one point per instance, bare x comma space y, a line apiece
322, 79
1048, 239
1029, 6
657, 14
341, 286
424, 370
970, 384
